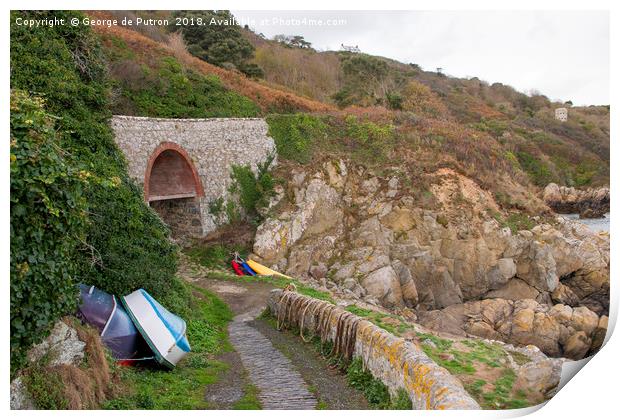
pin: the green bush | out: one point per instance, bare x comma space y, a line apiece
254, 190
538, 171
368, 142
394, 100
295, 134
364, 79
222, 45
374, 390
126, 245
171, 91
585, 171
48, 214
401, 401
494, 127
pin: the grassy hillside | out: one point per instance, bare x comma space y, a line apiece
435, 120
128, 49
523, 126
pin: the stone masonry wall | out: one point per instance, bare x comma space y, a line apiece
182, 216
213, 144
396, 362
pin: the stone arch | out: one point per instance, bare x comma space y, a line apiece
173, 189
171, 174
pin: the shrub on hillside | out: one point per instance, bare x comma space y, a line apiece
318, 77
126, 245
539, 172
365, 81
219, 44
294, 135
48, 215
254, 189
420, 99
367, 141
171, 91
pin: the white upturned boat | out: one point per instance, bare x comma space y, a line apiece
163, 331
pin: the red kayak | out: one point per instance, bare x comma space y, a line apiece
237, 268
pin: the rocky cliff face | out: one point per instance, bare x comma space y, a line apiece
590, 203
366, 238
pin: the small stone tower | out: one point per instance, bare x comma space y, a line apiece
561, 114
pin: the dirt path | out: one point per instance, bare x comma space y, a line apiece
288, 372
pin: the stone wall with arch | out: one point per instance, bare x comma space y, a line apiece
184, 165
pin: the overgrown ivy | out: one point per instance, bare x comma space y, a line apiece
48, 221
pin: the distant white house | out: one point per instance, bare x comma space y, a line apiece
561, 114
350, 48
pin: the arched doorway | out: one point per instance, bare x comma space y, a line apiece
172, 188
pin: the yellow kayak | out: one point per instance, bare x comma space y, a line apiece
264, 271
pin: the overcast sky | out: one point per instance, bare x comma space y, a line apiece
561, 54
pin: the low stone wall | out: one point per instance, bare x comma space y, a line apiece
395, 361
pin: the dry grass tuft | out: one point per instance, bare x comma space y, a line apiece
87, 386
177, 44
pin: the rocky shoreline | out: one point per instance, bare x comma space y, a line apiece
366, 239
589, 204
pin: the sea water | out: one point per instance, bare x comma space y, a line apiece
597, 225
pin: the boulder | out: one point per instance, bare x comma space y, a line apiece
373, 262
399, 220
577, 346
336, 174
407, 285
445, 291
370, 186
300, 260
318, 271
598, 337
441, 320
62, 347
537, 267
318, 211
507, 267
270, 241
354, 287
571, 200
551, 193
545, 334
515, 289
584, 320
345, 271
20, 400
563, 294
371, 233
384, 285
592, 213
541, 376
